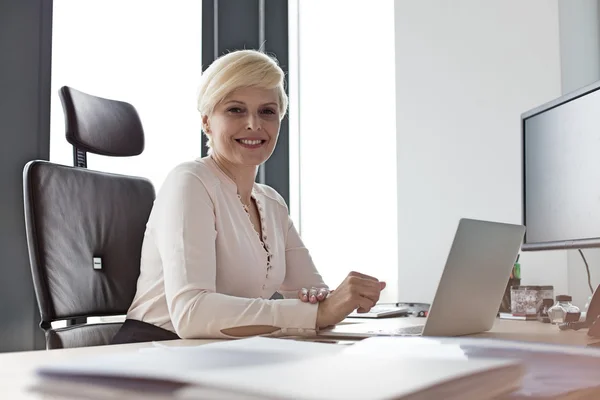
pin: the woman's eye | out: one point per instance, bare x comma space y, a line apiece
269, 111
235, 110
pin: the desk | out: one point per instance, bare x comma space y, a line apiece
17, 369
534, 331
528, 331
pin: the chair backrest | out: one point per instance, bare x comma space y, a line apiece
101, 126
85, 228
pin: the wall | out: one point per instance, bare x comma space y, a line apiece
345, 141
580, 64
25, 43
465, 71
579, 43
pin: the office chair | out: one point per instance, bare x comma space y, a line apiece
85, 228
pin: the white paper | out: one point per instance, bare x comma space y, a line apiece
348, 376
161, 362
280, 368
551, 370
256, 344
414, 347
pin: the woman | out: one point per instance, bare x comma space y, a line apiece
217, 245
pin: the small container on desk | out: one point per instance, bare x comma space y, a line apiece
524, 299
542, 310
563, 311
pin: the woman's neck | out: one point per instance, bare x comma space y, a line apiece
243, 176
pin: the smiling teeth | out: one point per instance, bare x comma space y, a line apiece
251, 142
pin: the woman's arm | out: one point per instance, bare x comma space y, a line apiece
300, 268
184, 230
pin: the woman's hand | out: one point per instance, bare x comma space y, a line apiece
357, 291
313, 295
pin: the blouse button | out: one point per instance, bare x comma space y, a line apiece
264, 237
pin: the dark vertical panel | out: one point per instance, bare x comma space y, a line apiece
238, 25
208, 45
25, 54
277, 168
233, 25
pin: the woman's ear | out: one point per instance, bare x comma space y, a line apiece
205, 124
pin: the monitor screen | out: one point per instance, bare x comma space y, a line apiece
561, 172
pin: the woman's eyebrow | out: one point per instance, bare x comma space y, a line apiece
242, 103
235, 101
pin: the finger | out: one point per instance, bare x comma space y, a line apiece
369, 289
364, 276
322, 294
382, 285
303, 294
367, 284
370, 294
364, 305
312, 295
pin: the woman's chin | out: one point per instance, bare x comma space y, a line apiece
255, 159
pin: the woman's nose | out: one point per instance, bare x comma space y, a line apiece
253, 122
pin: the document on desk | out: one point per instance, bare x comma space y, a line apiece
282, 369
551, 371
346, 376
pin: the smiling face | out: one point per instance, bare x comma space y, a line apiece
244, 126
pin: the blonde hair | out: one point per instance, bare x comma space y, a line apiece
235, 70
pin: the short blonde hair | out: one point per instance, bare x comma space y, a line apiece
235, 70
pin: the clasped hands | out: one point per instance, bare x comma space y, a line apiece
357, 292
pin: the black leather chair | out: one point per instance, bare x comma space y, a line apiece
85, 228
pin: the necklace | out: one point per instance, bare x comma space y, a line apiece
230, 176
222, 168
244, 206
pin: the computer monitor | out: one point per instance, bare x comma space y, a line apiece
561, 172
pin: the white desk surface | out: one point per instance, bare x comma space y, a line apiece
528, 331
17, 369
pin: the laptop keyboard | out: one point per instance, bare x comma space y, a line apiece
405, 331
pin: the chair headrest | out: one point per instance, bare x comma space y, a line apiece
101, 126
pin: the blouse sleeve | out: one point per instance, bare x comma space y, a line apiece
300, 268
184, 231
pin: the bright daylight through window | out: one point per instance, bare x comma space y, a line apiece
343, 136
144, 52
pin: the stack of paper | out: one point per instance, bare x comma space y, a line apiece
285, 369
551, 371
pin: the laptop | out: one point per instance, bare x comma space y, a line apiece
469, 291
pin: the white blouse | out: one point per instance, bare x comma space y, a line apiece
204, 268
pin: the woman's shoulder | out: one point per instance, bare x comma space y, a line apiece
189, 174
271, 195
197, 168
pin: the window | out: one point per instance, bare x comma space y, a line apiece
144, 52
343, 137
